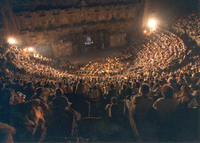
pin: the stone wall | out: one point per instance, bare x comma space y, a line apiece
117, 40
73, 16
62, 48
33, 5
38, 25
45, 26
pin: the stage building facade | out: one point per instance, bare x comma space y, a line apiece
67, 27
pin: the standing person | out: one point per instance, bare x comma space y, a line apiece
80, 90
106, 88
63, 88
95, 101
60, 101
167, 104
112, 92
165, 108
64, 118
117, 87
29, 90
123, 93
140, 109
114, 110
135, 89
87, 88
69, 90
129, 90
181, 81
94, 94
18, 86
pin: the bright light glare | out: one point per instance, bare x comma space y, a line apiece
145, 31
152, 23
11, 40
24, 50
36, 55
30, 49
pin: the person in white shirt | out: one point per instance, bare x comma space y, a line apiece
94, 94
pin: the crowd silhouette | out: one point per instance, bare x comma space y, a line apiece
150, 94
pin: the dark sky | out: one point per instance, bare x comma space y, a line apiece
174, 6
168, 9
180, 6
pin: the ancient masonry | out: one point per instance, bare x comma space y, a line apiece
66, 29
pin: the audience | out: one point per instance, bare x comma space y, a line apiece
152, 81
188, 25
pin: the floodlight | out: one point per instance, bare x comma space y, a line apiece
30, 49
152, 23
11, 41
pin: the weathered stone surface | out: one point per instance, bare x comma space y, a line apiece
36, 28
117, 40
40, 25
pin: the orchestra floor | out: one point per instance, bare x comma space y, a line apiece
92, 55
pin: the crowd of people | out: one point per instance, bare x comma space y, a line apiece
162, 50
38, 100
107, 66
156, 51
32, 64
190, 25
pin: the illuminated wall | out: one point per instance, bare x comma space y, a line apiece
39, 26
36, 24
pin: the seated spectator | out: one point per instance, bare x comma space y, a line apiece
18, 86
6, 133
173, 84
158, 90
195, 101
184, 98
181, 81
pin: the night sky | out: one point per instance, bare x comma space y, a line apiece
168, 9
